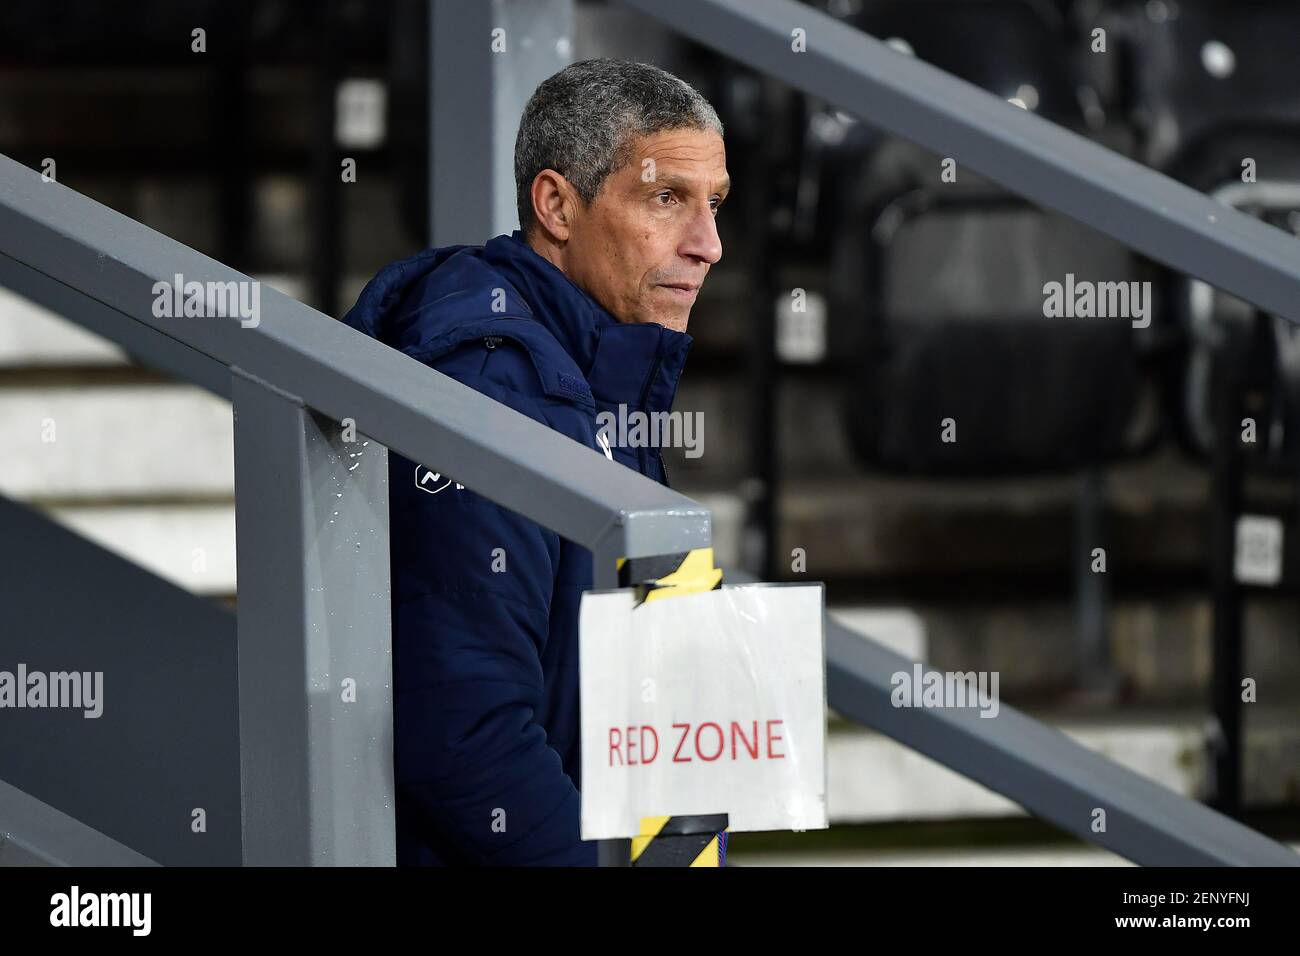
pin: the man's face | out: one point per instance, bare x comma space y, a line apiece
644, 245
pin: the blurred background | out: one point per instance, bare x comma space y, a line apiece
1083, 537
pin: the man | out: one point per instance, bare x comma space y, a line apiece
619, 170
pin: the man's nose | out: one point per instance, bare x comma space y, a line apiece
701, 240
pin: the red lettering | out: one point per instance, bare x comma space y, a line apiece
770, 738
686, 728
721, 741
615, 745
744, 740
737, 729
655, 735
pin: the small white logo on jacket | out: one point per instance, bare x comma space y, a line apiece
426, 479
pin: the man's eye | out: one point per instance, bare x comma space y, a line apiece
662, 194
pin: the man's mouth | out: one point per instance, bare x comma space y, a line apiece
682, 290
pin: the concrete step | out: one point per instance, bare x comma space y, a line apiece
872, 779
191, 545
125, 442
31, 336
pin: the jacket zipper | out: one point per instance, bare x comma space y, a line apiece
645, 398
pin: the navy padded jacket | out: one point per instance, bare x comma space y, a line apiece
485, 662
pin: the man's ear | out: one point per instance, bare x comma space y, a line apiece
554, 203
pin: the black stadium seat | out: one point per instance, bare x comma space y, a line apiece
937, 287
1206, 92
952, 327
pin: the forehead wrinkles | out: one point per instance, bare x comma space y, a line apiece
683, 158
688, 149
673, 172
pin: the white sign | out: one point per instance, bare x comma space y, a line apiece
703, 703
359, 110
1258, 557
801, 328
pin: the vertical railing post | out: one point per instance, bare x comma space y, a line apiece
1227, 492
1091, 593
485, 60
315, 650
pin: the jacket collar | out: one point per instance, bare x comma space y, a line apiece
632, 364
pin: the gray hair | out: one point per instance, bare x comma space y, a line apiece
584, 121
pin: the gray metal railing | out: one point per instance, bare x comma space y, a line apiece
314, 592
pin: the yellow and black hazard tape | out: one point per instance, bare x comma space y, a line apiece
666, 575
683, 840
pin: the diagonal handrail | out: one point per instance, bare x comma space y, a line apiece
56, 839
